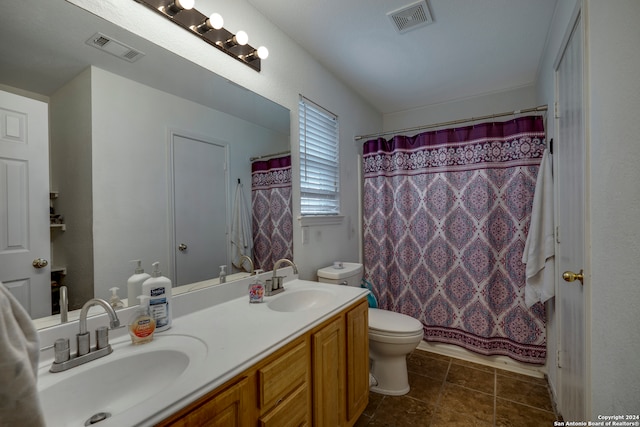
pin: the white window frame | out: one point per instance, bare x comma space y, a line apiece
319, 164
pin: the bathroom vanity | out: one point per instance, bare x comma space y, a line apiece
299, 358
320, 379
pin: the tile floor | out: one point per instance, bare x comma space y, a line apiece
450, 392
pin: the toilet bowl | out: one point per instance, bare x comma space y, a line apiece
392, 336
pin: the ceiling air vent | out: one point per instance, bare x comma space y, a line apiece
410, 17
114, 47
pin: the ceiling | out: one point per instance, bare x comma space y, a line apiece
473, 47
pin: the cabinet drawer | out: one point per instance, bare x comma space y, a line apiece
292, 412
283, 375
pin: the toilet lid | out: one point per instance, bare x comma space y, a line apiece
386, 321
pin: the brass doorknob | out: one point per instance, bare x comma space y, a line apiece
40, 263
570, 276
182, 247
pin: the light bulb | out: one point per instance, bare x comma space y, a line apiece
179, 5
263, 52
241, 38
185, 4
215, 21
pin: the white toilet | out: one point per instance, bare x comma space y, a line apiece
392, 336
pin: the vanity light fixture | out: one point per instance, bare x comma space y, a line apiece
210, 29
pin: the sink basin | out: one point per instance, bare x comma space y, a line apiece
301, 299
120, 381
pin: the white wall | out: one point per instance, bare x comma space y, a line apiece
131, 213
612, 95
613, 63
288, 72
70, 166
477, 106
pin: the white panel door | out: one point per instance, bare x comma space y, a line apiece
570, 301
200, 209
24, 201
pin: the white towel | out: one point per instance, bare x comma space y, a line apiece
19, 353
241, 234
539, 249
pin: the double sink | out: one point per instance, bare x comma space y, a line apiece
119, 388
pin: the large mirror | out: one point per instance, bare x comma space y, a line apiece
116, 129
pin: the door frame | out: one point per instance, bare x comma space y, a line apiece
579, 15
171, 134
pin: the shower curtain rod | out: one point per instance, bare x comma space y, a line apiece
455, 122
269, 155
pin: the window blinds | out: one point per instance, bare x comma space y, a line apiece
319, 166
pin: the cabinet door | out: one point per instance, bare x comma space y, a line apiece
283, 375
292, 412
226, 409
357, 360
328, 348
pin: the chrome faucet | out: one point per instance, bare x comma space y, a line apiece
275, 284
63, 359
64, 305
245, 257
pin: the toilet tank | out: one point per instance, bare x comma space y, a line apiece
350, 274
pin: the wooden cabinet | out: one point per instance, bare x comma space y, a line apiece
226, 408
319, 379
328, 367
340, 366
357, 324
283, 392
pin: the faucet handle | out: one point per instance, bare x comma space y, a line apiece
61, 350
102, 337
84, 343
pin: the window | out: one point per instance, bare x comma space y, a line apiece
319, 178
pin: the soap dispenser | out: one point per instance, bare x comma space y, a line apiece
222, 278
142, 325
134, 283
115, 300
158, 289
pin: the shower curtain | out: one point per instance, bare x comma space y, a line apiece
446, 215
272, 214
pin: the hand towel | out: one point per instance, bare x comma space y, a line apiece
539, 248
241, 233
19, 353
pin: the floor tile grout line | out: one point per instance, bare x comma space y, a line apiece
440, 394
526, 404
495, 397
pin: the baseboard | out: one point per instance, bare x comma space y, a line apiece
500, 362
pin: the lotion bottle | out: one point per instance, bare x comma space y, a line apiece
134, 283
142, 325
158, 289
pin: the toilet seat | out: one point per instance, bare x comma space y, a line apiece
390, 323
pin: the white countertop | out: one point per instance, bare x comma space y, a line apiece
237, 334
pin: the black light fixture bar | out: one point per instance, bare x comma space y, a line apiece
191, 19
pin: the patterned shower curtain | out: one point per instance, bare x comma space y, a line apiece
446, 216
272, 215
